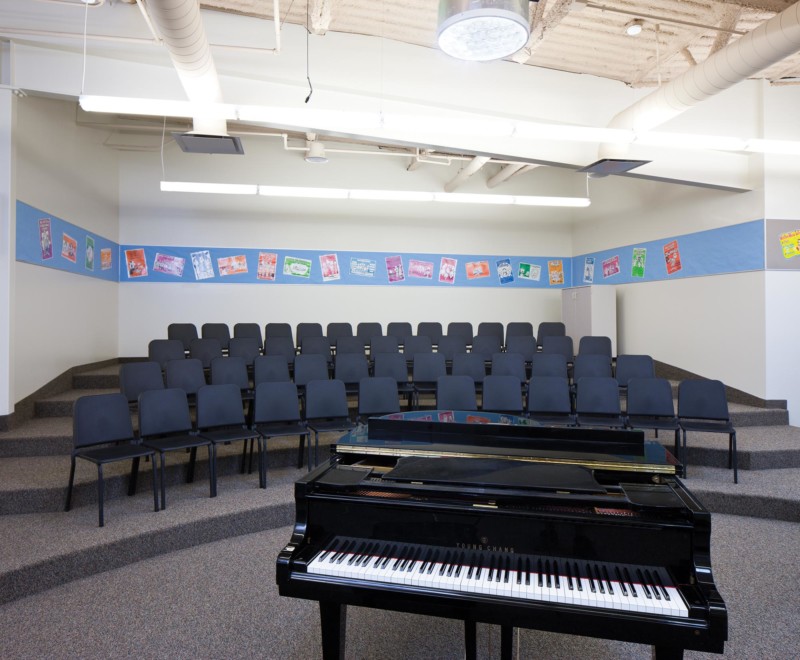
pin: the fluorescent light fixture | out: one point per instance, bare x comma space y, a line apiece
392, 195
201, 187
454, 125
574, 202
124, 105
778, 147
301, 191
690, 141
482, 30
472, 198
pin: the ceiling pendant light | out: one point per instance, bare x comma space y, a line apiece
315, 152
482, 30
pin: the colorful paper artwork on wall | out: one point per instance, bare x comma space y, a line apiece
202, 265
672, 256
267, 265
106, 259
363, 267
297, 267
588, 270
46, 238
329, 265
611, 266
477, 269
236, 265
89, 254
555, 272
504, 271
531, 272
169, 264
638, 261
69, 248
394, 268
420, 269
447, 270
790, 244
136, 262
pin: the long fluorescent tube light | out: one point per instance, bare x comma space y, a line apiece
156, 107
374, 195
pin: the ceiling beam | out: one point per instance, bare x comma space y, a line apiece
321, 12
729, 20
776, 6
466, 172
510, 170
541, 22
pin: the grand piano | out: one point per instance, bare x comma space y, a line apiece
496, 519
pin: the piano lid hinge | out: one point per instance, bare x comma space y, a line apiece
488, 505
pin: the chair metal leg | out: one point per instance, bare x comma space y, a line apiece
134, 476
68, 503
251, 442
155, 484
100, 491
244, 457
192, 459
309, 451
732, 456
163, 485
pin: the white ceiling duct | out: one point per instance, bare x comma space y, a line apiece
768, 44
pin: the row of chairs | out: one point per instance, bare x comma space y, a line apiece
365, 331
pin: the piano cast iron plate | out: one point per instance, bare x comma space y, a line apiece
490, 472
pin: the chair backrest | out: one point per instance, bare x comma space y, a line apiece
502, 394
164, 350
519, 329
650, 397
350, 368
246, 348
377, 395
456, 393
486, 346
525, 345
432, 329
219, 405
493, 328
552, 364
349, 345
400, 329
219, 331
595, 345
183, 332
597, 395
335, 330
461, 329
550, 329
278, 330
428, 367
276, 401
392, 365
163, 411
367, 330
559, 344
634, 366
137, 377
187, 375
449, 345
469, 364
509, 364
549, 395
416, 344
702, 399
316, 344
231, 370
250, 331
307, 329
270, 368
591, 364
383, 344
308, 367
280, 345
205, 350
101, 418
326, 399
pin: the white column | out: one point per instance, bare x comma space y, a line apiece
7, 229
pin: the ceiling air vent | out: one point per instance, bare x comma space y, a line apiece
607, 166
194, 143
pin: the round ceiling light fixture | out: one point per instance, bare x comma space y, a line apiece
315, 152
634, 27
482, 30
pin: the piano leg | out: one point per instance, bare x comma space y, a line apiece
333, 617
661, 652
506, 642
470, 640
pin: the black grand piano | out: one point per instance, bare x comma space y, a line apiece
493, 518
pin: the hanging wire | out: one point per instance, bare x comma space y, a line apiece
308, 32
163, 137
658, 54
85, 24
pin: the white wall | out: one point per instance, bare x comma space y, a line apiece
782, 347
63, 170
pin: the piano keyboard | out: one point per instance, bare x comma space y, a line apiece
574, 582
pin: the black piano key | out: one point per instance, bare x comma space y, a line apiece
556, 576
415, 555
369, 553
445, 563
540, 570
590, 577
577, 576
472, 566
621, 582
388, 554
427, 561
357, 553
519, 570
491, 568
433, 561
527, 571
406, 558
599, 579
507, 574
661, 586
644, 584
459, 564
630, 583
333, 547
452, 566
608, 580
398, 557
341, 554
569, 575
652, 584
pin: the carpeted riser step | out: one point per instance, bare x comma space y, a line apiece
53, 408
41, 446
99, 558
43, 500
749, 505
93, 381
763, 417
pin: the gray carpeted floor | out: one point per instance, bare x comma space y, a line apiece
219, 600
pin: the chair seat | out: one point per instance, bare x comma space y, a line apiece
173, 442
651, 422
276, 429
218, 436
113, 453
335, 424
614, 421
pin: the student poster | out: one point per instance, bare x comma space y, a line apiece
106, 260
555, 271
477, 269
46, 238
329, 265
267, 265
202, 265
297, 267
394, 268
790, 244
672, 256
69, 248
588, 270
137, 266
611, 266
420, 269
236, 265
88, 261
529, 272
504, 271
637, 264
363, 267
447, 270
169, 264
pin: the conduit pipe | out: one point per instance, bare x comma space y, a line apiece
512, 169
466, 172
769, 43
